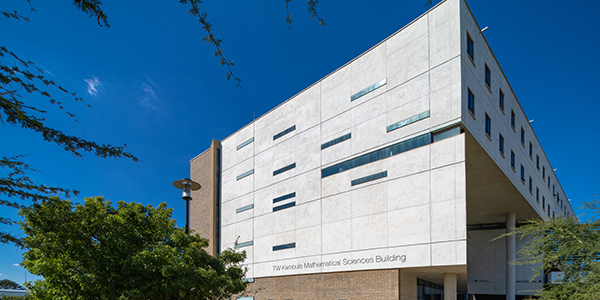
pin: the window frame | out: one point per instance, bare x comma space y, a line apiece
470, 47
488, 126
522, 174
513, 118
512, 160
501, 144
501, 100
488, 77
471, 102
523, 137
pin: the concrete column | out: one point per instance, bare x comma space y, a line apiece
511, 250
449, 286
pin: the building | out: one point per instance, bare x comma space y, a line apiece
388, 178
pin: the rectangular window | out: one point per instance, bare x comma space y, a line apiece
244, 244
378, 155
245, 208
488, 76
544, 172
488, 125
553, 215
284, 206
548, 181
530, 150
537, 162
470, 47
501, 100
522, 136
501, 143
522, 173
512, 119
544, 202
242, 145
537, 194
368, 89
407, 121
512, 160
284, 197
553, 190
530, 185
284, 132
336, 140
369, 178
284, 246
471, 103
548, 210
286, 168
248, 173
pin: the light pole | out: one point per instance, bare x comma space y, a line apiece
187, 186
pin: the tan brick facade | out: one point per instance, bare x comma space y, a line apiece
375, 284
203, 207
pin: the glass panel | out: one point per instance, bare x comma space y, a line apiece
244, 244
284, 246
240, 146
284, 132
369, 178
368, 90
444, 134
286, 168
335, 141
284, 197
245, 208
245, 174
287, 205
408, 121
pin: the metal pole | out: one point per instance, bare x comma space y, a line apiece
187, 216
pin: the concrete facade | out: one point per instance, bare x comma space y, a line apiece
415, 177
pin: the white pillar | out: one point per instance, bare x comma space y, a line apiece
511, 249
449, 286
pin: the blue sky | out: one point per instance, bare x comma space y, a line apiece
154, 85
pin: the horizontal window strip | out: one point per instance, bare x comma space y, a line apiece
446, 133
284, 132
248, 280
245, 174
378, 155
284, 246
244, 244
370, 178
286, 168
287, 205
408, 121
247, 297
369, 89
245, 208
335, 141
284, 197
242, 145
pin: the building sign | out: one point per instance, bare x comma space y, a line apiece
377, 259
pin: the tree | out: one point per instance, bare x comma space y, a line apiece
97, 251
568, 246
8, 284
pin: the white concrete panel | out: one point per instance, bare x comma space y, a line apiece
334, 79
443, 222
408, 191
444, 254
284, 220
308, 186
369, 232
366, 78
410, 162
398, 41
369, 200
369, 110
336, 126
409, 226
408, 62
444, 31
337, 237
336, 208
263, 249
240, 202
309, 114
229, 155
408, 91
281, 239
228, 236
245, 230
308, 241
263, 134
336, 100
335, 184
368, 134
263, 225
443, 183
308, 214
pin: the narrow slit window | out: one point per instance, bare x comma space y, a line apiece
286, 168
408, 121
369, 178
501, 100
284, 197
522, 136
284, 246
336, 141
537, 161
488, 76
471, 102
284, 132
242, 145
488, 125
244, 208
470, 47
512, 119
245, 174
244, 244
537, 194
501, 143
368, 89
284, 206
512, 159
522, 173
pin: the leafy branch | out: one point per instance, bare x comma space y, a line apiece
312, 9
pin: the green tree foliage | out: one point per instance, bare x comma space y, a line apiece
569, 246
8, 284
97, 251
